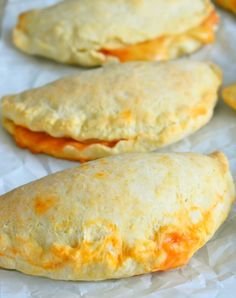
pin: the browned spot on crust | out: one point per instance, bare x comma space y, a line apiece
199, 112
126, 115
42, 205
21, 25
14, 250
100, 175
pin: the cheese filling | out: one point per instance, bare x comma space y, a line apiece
40, 142
159, 48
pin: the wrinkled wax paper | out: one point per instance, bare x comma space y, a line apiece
212, 271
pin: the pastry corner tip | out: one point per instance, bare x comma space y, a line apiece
217, 70
222, 159
20, 32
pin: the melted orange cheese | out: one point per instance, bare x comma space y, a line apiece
40, 142
171, 247
157, 49
178, 248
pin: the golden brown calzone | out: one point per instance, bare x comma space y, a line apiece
94, 32
229, 95
131, 107
115, 217
228, 4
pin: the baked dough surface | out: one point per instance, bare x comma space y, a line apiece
145, 105
75, 31
229, 96
115, 217
228, 4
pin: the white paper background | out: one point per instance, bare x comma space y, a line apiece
212, 271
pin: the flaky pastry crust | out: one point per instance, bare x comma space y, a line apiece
115, 217
140, 105
78, 32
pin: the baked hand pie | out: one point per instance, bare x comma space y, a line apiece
115, 217
94, 32
228, 4
229, 96
131, 107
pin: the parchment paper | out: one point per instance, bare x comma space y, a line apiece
212, 271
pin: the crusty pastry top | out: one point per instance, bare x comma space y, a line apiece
138, 100
115, 217
74, 31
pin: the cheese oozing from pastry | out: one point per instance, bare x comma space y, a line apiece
40, 142
161, 47
93, 33
130, 107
